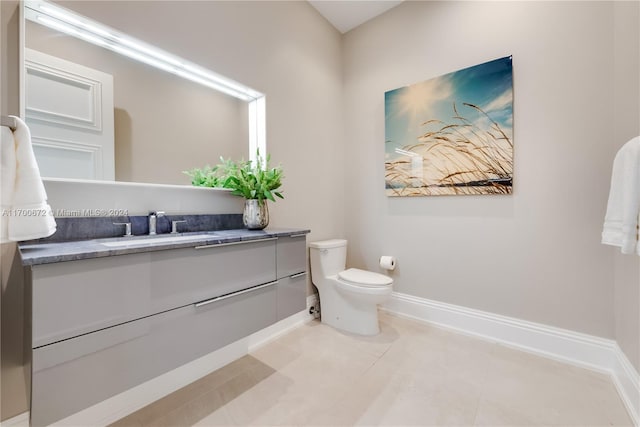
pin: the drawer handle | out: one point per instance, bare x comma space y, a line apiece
293, 236
243, 242
233, 294
295, 276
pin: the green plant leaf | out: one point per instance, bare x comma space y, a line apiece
245, 178
268, 195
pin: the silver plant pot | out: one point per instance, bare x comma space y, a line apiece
256, 214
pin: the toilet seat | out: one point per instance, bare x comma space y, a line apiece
357, 277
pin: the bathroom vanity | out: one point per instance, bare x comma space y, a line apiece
109, 314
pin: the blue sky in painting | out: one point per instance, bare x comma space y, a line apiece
488, 86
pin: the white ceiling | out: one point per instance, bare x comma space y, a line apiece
348, 14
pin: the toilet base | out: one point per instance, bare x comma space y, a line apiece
350, 314
365, 324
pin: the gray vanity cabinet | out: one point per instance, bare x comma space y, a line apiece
75, 374
292, 274
77, 297
101, 326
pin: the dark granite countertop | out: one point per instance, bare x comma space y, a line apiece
47, 253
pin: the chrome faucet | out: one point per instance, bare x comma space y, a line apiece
127, 228
174, 226
153, 217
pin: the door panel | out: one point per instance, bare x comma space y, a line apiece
70, 112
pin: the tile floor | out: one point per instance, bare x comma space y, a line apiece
410, 374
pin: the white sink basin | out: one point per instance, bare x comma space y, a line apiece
127, 243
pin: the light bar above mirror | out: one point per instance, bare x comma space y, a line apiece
68, 22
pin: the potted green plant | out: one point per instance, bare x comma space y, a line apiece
255, 181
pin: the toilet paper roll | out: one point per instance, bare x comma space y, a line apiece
388, 262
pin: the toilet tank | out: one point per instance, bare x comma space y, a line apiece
327, 257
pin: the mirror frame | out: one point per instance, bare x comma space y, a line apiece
71, 23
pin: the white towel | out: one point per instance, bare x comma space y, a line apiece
25, 212
7, 179
621, 221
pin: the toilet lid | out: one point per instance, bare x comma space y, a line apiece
364, 278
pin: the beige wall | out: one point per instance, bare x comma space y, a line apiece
9, 99
13, 387
626, 126
283, 49
163, 124
535, 255
13, 376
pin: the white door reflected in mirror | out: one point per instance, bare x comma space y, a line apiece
69, 110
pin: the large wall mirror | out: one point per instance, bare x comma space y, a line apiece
103, 105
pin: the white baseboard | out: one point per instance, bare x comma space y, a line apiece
578, 349
627, 382
123, 404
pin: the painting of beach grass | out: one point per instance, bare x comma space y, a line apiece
452, 134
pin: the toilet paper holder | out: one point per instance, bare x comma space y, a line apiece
388, 262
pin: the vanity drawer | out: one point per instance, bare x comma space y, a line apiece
291, 255
77, 297
184, 276
292, 295
72, 375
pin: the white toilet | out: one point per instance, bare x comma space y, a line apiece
348, 298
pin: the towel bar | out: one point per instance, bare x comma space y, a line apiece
9, 122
